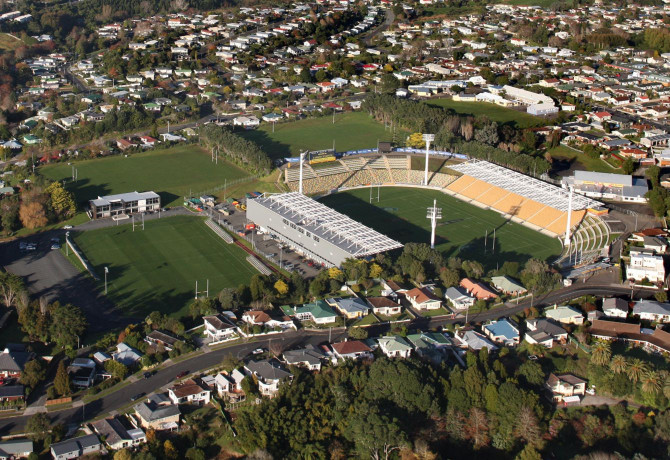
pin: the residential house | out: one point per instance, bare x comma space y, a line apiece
218, 328
544, 332
319, 312
189, 392
614, 307
119, 433
82, 372
565, 315
503, 331
384, 306
309, 357
473, 340
477, 289
423, 299
229, 386
458, 298
508, 285
395, 346
161, 339
566, 388
76, 447
12, 361
269, 373
646, 266
268, 319
430, 345
651, 310
158, 413
351, 349
15, 448
350, 307
11, 393
657, 340
126, 355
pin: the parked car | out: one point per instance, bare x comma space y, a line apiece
55, 246
67, 227
182, 374
137, 396
147, 375
258, 351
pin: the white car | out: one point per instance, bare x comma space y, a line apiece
67, 227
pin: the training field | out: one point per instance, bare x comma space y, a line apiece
401, 214
171, 172
156, 269
352, 130
492, 111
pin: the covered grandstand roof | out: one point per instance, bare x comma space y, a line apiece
526, 186
326, 223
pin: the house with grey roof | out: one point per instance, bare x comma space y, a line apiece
565, 314
508, 285
12, 360
15, 448
458, 298
119, 433
309, 357
270, 373
75, 447
615, 307
473, 340
126, 355
158, 413
651, 310
350, 307
544, 332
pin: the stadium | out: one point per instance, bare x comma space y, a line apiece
532, 203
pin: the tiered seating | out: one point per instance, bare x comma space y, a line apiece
258, 265
558, 226
354, 163
378, 163
397, 162
219, 231
546, 216
476, 189
529, 209
334, 167
358, 178
462, 182
441, 180
492, 196
383, 176
509, 203
415, 177
399, 176
294, 173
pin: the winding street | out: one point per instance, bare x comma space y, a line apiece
205, 359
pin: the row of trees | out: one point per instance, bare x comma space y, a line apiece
478, 138
55, 323
235, 148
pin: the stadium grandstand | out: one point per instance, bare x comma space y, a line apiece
315, 230
526, 200
360, 171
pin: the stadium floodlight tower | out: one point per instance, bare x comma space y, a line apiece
434, 213
302, 159
566, 241
428, 138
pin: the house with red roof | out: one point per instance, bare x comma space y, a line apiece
478, 289
423, 299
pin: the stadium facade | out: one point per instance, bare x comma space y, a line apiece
315, 230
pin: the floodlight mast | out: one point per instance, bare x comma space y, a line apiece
434, 213
302, 159
428, 138
566, 242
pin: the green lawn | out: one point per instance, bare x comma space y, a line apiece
172, 172
352, 130
156, 269
579, 160
430, 313
492, 111
401, 214
9, 43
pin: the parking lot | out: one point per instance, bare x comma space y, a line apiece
275, 251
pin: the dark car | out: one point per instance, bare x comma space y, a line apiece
137, 396
147, 375
182, 374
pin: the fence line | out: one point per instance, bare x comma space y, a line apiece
83, 261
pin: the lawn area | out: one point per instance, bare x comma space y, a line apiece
352, 130
401, 215
9, 43
156, 269
430, 313
366, 320
579, 160
173, 173
492, 111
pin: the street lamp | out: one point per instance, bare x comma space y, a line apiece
106, 271
67, 247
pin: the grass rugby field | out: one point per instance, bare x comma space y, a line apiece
352, 130
401, 214
171, 172
156, 269
492, 111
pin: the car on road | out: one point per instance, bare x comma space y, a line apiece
55, 246
258, 351
182, 374
137, 396
147, 375
23, 245
31, 246
67, 227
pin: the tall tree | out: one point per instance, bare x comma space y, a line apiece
33, 373
67, 325
477, 428
62, 382
636, 369
11, 286
33, 215
376, 434
601, 352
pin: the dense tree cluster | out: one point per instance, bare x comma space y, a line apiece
476, 137
235, 148
62, 325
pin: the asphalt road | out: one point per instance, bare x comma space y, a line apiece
122, 398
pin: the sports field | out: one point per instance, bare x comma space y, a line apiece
172, 173
492, 111
351, 130
401, 214
156, 269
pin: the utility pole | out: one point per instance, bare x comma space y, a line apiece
142, 221
133, 217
